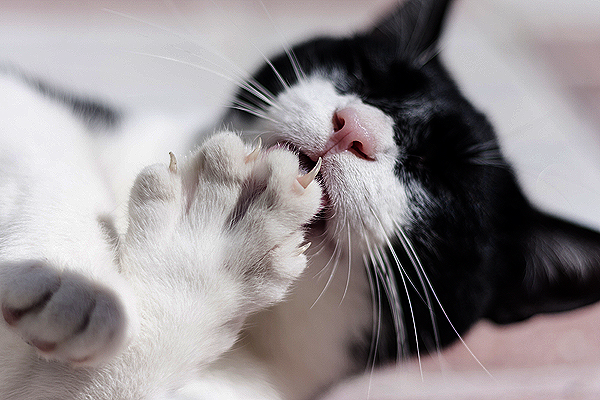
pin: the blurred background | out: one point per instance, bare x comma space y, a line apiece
533, 66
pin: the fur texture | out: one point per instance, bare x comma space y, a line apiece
418, 226
209, 240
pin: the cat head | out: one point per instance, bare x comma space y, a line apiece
415, 181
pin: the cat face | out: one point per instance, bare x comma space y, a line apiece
386, 120
415, 183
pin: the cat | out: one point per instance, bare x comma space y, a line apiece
369, 152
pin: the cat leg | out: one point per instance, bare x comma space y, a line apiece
212, 239
59, 286
209, 241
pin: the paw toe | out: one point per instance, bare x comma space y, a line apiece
222, 158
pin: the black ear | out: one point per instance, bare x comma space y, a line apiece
560, 271
414, 27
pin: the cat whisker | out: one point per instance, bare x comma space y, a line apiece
242, 78
410, 251
412, 255
384, 275
390, 287
300, 75
245, 79
336, 257
427, 288
252, 86
188, 63
249, 106
349, 262
337, 254
370, 366
321, 246
439, 303
264, 57
398, 262
376, 319
336, 249
376, 301
298, 71
277, 73
145, 22
253, 112
325, 235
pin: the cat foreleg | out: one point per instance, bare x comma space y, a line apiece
212, 239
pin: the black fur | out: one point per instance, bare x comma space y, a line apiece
97, 116
486, 250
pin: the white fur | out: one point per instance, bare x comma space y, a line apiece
207, 243
52, 197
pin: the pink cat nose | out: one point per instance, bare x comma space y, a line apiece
350, 133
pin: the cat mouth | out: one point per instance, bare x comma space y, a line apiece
306, 164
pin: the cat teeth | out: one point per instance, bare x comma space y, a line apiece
172, 163
252, 156
302, 249
305, 180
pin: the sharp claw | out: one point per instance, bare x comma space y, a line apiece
302, 249
305, 180
173, 163
252, 156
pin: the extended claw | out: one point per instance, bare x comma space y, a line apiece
254, 154
173, 163
305, 180
302, 249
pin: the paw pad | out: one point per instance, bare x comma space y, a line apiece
64, 315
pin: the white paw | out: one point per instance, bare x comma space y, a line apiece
62, 314
251, 206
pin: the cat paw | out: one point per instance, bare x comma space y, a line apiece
247, 208
63, 315
266, 217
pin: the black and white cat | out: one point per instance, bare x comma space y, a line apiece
202, 289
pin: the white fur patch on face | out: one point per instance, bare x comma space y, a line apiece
363, 195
